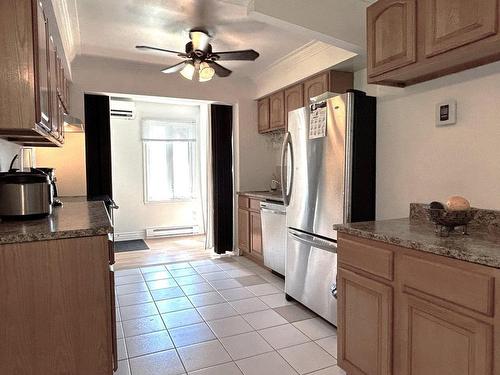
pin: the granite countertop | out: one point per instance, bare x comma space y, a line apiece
480, 246
76, 218
267, 195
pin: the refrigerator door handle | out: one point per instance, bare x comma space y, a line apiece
314, 241
286, 185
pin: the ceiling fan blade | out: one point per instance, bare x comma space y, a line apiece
158, 49
219, 69
247, 54
174, 68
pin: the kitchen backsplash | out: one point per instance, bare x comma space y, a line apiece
7, 152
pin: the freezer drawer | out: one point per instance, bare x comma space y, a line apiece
311, 272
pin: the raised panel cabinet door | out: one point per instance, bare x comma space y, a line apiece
54, 100
277, 110
315, 86
294, 99
243, 230
391, 35
364, 324
438, 341
451, 24
255, 234
42, 70
263, 115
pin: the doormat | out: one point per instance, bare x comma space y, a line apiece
132, 245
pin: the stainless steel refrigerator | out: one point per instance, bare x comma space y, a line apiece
328, 174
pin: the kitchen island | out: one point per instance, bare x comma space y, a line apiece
411, 302
57, 292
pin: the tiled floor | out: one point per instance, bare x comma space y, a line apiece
224, 316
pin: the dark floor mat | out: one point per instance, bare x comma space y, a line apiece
132, 245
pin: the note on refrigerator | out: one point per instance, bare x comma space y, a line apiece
317, 123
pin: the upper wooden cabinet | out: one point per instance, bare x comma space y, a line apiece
277, 110
452, 24
264, 124
29, 73
412, 41
294, 99
273, 109
315, 86
391, 35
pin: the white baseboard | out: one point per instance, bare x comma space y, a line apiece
127, 236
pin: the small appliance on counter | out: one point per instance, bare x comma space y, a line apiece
51, 173
24, 195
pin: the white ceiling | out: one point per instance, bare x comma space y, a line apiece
112, 29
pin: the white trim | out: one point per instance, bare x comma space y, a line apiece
127, 236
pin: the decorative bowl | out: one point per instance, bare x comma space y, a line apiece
451, 219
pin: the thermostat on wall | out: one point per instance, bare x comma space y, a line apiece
446, 113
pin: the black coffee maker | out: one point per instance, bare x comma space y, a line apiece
51, 172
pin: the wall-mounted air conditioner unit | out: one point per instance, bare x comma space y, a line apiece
185, 230
122, 109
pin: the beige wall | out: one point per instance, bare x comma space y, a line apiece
419, 162
254, 157
69, 162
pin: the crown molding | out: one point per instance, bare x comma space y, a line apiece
301, 63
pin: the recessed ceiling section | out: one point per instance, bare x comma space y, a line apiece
113, 28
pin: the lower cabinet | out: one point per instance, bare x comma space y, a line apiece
250, 228
57, 309
435, 316
364, 324
440, 341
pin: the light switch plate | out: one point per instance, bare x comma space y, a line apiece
446, 113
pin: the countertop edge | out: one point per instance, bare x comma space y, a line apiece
462, 255
261, 195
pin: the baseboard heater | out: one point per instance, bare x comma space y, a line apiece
172, 231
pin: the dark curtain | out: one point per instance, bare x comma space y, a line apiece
98, 147
222, 169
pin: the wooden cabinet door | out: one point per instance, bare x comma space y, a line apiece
438, 341
391, 35
294, 99
42, 70
54, 100
263, 115
315, 86
255, 234
364, 325
243, 230
277, 110
454, 23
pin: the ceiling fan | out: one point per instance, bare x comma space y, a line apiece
200, 60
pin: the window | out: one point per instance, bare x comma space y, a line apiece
170, 160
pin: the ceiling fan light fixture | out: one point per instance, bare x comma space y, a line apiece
206, 72
188, 71
199, 39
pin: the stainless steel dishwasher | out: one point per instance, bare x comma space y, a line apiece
273, 216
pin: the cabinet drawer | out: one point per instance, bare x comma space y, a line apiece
366, 257
467, 289
243, 202
254, 204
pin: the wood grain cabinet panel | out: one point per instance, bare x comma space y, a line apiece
294, 99
454, 23
255, 234
315, 86
243, 230
391, 35
437, 341
264, 124
277, 110
365, 325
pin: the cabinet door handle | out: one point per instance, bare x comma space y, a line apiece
114, 343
